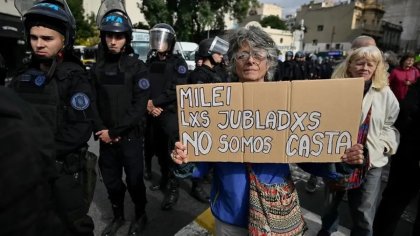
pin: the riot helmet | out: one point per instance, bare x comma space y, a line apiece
52, 14
289, 55
162, 38
299, 56
212, 45
113, 18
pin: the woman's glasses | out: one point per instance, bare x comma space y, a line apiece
258, 55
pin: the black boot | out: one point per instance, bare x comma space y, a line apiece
138, 225
171, 196
112, 228
198, 192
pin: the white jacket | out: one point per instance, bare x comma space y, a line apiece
383, 138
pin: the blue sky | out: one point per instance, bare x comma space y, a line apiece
289, 6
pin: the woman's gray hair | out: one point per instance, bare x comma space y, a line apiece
256, 38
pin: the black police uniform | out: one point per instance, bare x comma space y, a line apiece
204, 75
164, 76
27, 167
65, 101
122, 91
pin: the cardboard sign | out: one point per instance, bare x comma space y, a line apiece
270, 122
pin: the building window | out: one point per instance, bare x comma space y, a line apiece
320, 27
281, 40
315, 42
327, 46
337, 46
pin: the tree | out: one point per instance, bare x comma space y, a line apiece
274, 22
86, 28
191, 18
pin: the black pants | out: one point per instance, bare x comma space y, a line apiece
71, 204
156, 143
126, 155
403, 186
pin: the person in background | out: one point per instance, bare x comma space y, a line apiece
358, 42
57, 86
382, 139
122, 91
403, 185
253, 58
165, 71
211, 51
403, 76
392, 60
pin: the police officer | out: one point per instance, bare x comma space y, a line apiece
166, 70
211, 51
300, 67
287, 67
122, 91
57, 86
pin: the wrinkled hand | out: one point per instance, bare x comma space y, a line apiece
179, 154
354, 155
150, 106
104, 137
156, 112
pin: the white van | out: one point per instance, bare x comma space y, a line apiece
187, 50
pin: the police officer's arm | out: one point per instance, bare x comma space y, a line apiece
98, 124
77, 128
179, 78
137, 110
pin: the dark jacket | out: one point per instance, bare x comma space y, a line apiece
64, 101
204, 75
164, 76
122, 91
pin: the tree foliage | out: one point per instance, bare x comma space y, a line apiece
274, 22
86, 30
191, 18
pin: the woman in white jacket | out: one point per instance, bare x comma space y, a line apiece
382, 139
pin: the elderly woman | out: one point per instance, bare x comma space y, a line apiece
382, 139
403, 76
253, 58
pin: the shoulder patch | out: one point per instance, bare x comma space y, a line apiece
182, 69
144, 83
39, 80
80, 101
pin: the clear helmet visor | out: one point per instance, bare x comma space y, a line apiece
219, 46
109, 6
161, 39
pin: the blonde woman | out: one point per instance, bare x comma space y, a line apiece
382, 138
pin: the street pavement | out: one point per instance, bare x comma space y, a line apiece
180, 221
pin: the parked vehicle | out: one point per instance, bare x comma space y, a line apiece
187, 50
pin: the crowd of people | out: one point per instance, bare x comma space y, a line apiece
130, 107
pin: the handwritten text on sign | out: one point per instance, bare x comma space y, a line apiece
212, 118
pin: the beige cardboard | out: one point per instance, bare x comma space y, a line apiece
272, 122
339, 103
272, 99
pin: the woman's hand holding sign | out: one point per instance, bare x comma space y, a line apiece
179, 154
354, 155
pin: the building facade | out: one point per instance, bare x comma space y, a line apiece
406, 14
332, 26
